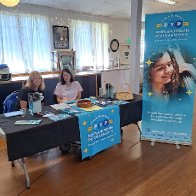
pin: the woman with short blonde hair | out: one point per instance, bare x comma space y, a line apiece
35, 83
30, 83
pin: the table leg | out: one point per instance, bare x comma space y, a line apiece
138, 129
24, 167
13, 164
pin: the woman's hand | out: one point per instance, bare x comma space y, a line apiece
23, 104
61, 99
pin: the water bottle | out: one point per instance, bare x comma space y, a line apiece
111, 92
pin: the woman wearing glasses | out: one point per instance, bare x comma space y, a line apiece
67, 89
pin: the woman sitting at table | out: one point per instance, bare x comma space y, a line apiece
35, 83
67, 89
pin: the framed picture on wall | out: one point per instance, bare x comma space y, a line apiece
61, 37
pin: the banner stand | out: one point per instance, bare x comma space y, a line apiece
152, 142
169, 78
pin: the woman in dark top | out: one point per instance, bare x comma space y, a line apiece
35, 83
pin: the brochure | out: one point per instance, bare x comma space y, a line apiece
28, 122
56, 117
60, 106
15, 113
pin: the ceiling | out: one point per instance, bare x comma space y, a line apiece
112, 8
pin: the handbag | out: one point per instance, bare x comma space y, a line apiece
124, 95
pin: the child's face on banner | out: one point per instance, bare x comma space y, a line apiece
162, 71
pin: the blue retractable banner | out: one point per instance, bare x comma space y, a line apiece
169, 77
99, 130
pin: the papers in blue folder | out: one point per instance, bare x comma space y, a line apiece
73, 110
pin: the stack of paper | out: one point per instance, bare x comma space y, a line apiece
60, 106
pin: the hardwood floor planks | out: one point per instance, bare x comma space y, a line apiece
133, 167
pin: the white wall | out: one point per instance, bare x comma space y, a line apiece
119, 28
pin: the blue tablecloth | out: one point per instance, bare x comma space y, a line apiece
99, 130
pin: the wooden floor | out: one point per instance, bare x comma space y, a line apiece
132, 168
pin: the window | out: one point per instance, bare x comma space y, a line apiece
24, 42
90, 41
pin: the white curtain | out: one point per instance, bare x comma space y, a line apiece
10, 43
24, 42
82, 43
90, 41
101, 45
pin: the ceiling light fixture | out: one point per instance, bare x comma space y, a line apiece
9, 3
170, 2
